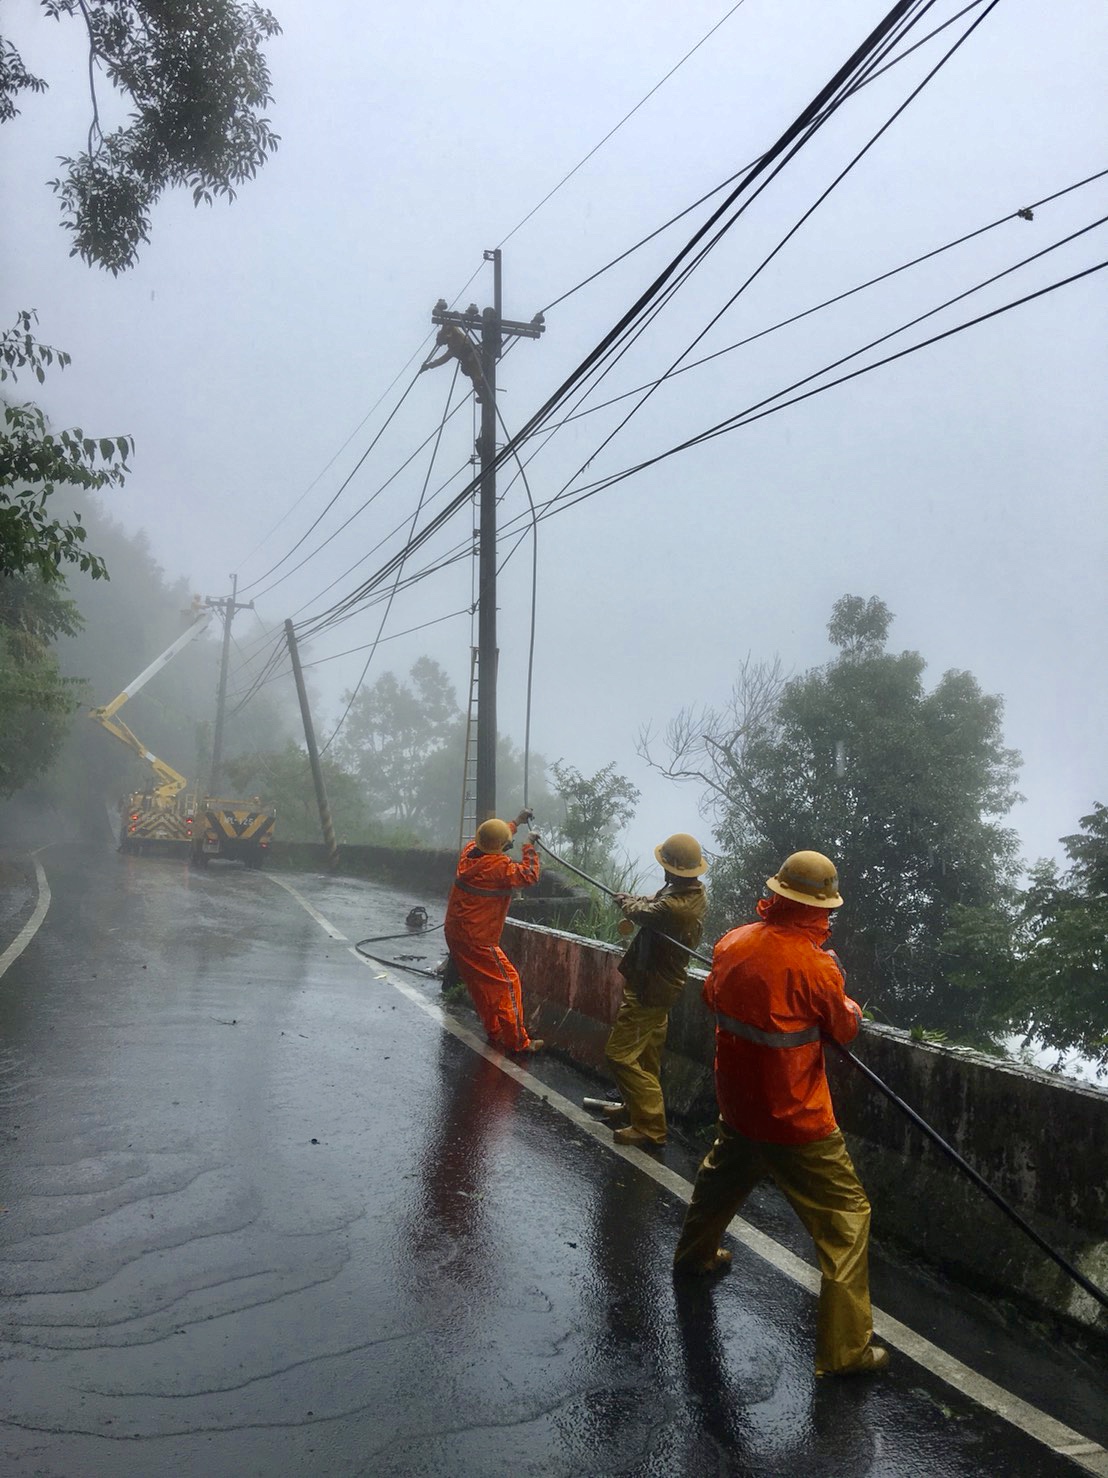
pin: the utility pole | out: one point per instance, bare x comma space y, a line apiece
228, 606
493, 329
313, 751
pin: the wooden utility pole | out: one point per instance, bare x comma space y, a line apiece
228, 607
313, 751
493, 329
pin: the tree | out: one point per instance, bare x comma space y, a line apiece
35, 464
594, 809
1062, 975
904, 788
393, 732
707, 745
197, 82
284, 777
36, 701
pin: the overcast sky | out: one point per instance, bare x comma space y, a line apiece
964, 485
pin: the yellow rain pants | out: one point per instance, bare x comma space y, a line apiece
820, 1183
634, 1054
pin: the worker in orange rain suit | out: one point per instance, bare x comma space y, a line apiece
775, 992
654, 972
475, 915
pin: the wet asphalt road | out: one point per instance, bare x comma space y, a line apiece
263, 1216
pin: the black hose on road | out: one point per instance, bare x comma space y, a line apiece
413, 933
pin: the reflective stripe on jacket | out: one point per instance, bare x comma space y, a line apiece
775, 993
653, 968
482, 892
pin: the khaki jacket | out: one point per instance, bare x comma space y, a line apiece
652, 967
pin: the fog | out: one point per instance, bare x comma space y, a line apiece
252, 351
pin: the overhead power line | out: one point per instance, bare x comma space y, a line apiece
752, 276
1023, 213
688, 209
783, 145
392, 593
760, 410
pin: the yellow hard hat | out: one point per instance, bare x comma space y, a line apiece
493, 835
807, 877
680, 854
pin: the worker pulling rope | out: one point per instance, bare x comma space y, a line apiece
925, 1128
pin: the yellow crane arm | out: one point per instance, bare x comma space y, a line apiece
171, 783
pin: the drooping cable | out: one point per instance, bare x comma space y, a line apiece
789, 234
323, 470
388, 606
341, 489
783, 144
534, 604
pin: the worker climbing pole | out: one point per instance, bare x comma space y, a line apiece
477, 357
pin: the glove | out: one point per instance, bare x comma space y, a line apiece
524, 816
534, 838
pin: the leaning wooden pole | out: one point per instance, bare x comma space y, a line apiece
313, 752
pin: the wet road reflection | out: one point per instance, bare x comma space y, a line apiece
265, 1217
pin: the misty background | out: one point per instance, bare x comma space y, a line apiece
257, 349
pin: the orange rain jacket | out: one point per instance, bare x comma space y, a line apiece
774, 993
475, 915
482, 891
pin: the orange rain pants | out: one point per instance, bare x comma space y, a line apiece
475, 915
493, 984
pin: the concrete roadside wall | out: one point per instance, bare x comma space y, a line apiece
1040, 1141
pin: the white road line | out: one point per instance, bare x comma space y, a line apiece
31, 927
328, 929
986, 1393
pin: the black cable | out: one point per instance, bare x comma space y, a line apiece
612, 131
1024, 213
559, 503
342, 487
431, 436
296, 504
857, 58
744, 418
418, 353
388, 607
979, 1180
782, 145
385, 537
398, 964
600, 271
423, 625
888, 43
790, 233
321, 619
903, 23
343, 609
